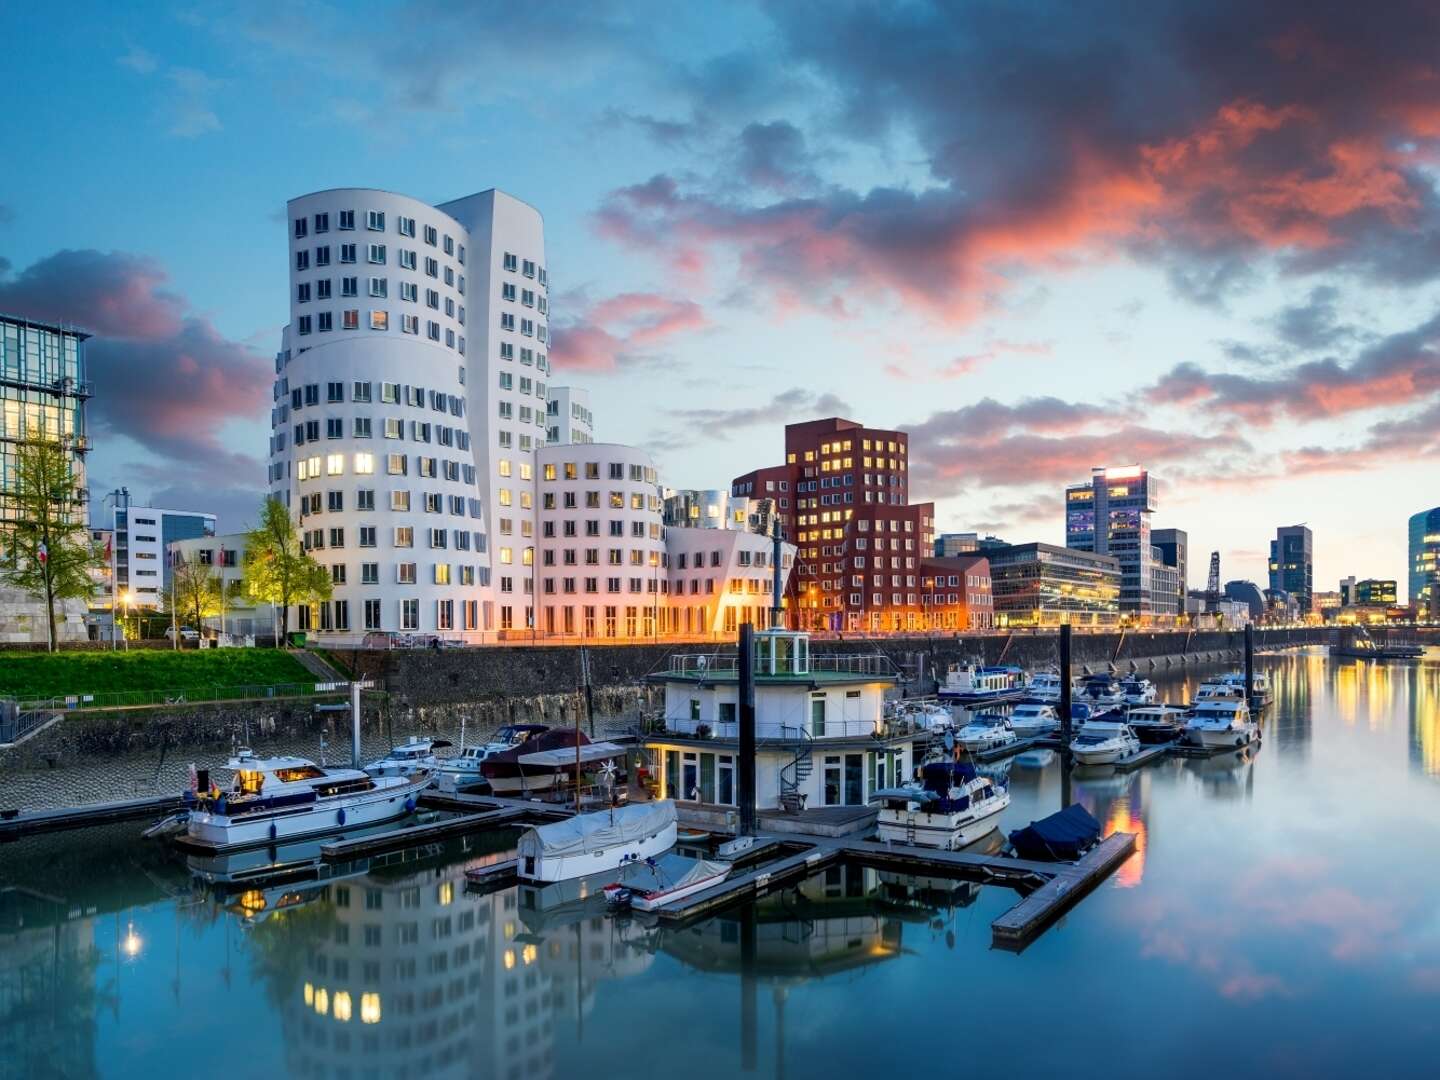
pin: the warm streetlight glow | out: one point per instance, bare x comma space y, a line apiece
132, 943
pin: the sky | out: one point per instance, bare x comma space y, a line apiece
1039, 237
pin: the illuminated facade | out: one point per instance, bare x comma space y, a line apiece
1424, 564
955, 593
1045, 585
1292, 565
843, 497
1110, 515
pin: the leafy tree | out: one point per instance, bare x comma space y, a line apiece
199, 593
278, 569
46, 550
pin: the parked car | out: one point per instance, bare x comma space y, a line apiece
187, 633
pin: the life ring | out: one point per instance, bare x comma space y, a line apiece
340, 815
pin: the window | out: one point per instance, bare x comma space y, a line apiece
377, 286
407, 259
350, 286
507, 291
507, 321
347, 253
364, 466
511, 262
302, 228
302, 293
376, 253
350, 319
379, 320
372, 620
322, 255
322, 223
410, 324
375, 220
325, 322
410, 614
404, 538
406, 225
360, 391
432, 236
347, 219
432, 267
528, 269
365, 499
395, 464
302, 260
367, 535
409, 291
322, 289
369, 573
303, 324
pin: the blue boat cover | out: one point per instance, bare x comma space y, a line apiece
1063, 836
941, 776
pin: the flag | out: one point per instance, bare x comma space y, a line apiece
42, 553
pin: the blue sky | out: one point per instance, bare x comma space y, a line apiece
1040, 237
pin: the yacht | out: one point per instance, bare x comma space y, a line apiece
1260, 685
463, 769
598, 842
1157, 723
1104, 742
950, 807
925, 715
415, 753
1219, 690
544, 760
1034, 718
1100, 690
1137, 691
1222, 722
975, 685
985, 732
283, 798
1046, 687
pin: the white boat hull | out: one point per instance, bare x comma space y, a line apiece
1026, 729
602, 860
649, 903
987, 743
1231, 737
949, 832
1101, 757
386, 802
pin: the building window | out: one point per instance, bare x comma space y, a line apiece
375, 220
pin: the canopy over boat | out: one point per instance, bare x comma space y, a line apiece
550, 759
594, 832
1064, 835
670, 872
942, 775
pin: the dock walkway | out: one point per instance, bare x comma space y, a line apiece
29, 822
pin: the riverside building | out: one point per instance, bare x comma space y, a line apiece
1292, 565
1045, 585
1110, 515
1424, 563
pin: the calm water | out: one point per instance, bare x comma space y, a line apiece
1281, 916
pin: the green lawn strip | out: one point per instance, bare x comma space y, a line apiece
36, 675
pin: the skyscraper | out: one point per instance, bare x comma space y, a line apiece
1110, 515
1424, 564
1292, 564
1174, 545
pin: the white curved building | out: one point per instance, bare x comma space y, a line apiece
602, 570
409, 400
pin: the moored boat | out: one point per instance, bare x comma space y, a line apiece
284, 798
1104, 742
597, 842
1137, 691
542, 761
1100, 691
953, 805
1031, 718
462, 770
1221, 722
985, 732
1218, 690
415, 753
1046, 687
975, 685
1157, 723
665, 879
1259, 686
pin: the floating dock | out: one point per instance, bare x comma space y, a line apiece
30, 822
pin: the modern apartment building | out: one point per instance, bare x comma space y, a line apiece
410, 398
225, 556
1424, 563
142, 537
955, 593
1044, 585
568, 416
1292, 565
842, 497
1110, 515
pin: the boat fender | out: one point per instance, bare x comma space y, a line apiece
410, 804
340, 816
222, 807
273, 830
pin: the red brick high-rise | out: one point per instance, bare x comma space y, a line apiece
843, 500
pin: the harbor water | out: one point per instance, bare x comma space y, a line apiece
1280, 916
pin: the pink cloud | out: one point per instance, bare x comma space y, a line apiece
621, 328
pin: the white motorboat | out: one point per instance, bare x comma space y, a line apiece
1260, 685
415, 753
1157, 723
462, 770
925, 715
1034, 718
971, 684
1137, 691
284, 798
985, 732
951, 807
1219, 690
663, 880
1104, 742
1046, 687
597, 842
1100, 691
1221, 722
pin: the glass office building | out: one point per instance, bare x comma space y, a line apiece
43, 391
1111, 516
1045, 585
1292, 565
1424, 563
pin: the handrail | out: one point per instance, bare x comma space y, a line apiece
188, 695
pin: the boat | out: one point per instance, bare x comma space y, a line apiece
953, 805
925, 715
284, 798
1218, 690
1046, 687
415, 753
1261, 693
1137, 691
543, 760
462, 770
1157, 723
971, 684
594, 843
663, 880
1100, 691
985, 732
1064, 836
1222, 722
1356, 644
1104, 742
1034, 718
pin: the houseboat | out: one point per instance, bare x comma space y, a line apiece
1104, 742
542, 761
462, 770
595, 843
951, 807
415, 753
971, 684
822, 737
1221, 722
285, 798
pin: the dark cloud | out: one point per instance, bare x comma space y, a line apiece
773, 156
163, 376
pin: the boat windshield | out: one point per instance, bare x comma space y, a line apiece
289, 776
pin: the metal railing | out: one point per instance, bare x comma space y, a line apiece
189, 695
728, 663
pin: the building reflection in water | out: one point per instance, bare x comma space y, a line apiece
1425, 717
1120, 802
1287, 724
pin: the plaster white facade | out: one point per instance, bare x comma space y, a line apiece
570, 417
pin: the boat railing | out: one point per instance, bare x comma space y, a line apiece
769, 732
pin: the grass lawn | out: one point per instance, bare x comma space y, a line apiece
37, 674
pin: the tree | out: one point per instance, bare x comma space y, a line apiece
278, 569
46, 550
198, 592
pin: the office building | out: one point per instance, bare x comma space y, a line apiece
842, 497
1377, 591
1247, 593
568, 415
1292, 565
142, 536
1174, 552
949, 545
1044, 585
1424, 563
1110, 515
1346, 592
